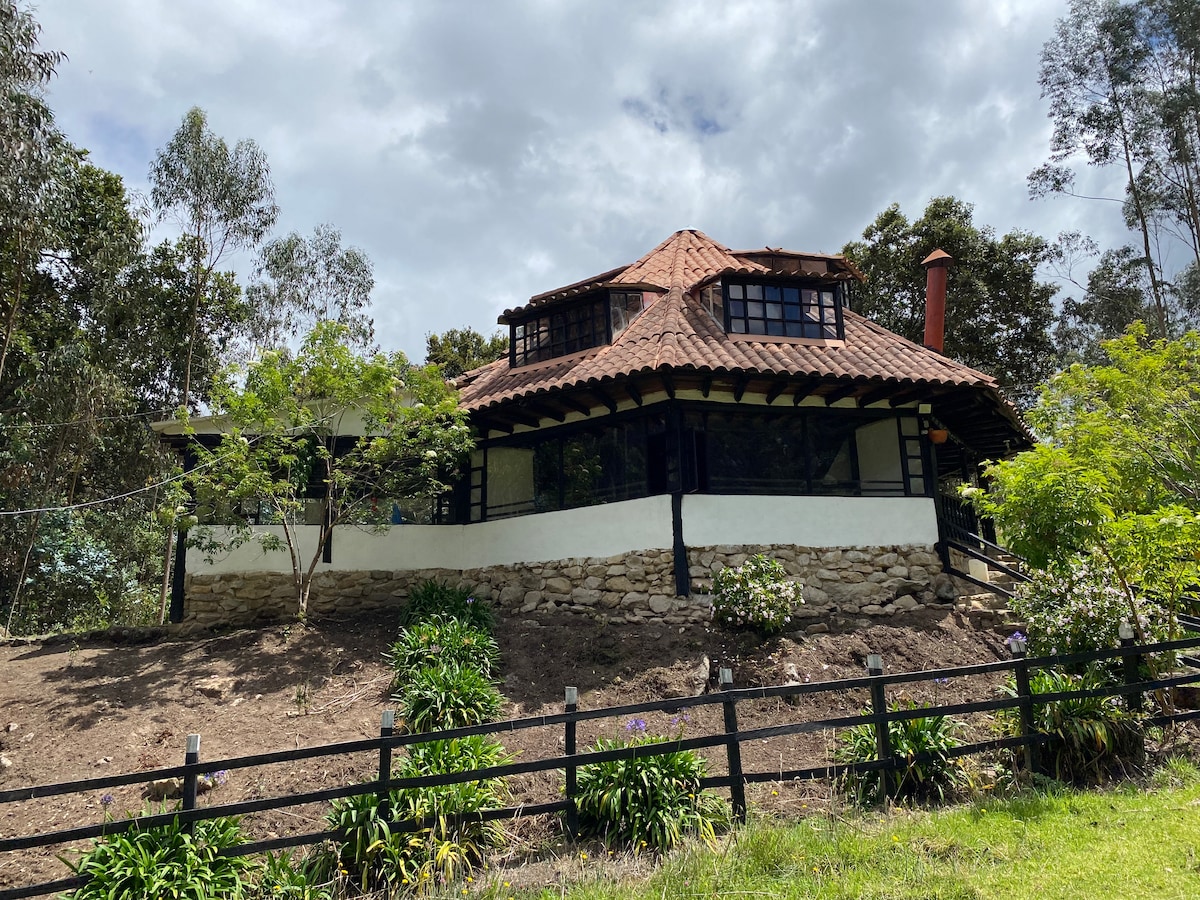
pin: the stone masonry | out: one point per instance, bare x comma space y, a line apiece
631, 587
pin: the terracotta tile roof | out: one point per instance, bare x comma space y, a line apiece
676, 333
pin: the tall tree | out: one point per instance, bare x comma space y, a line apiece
463, 349
998, 314
29, 154
302, 281
223, 201
331, 427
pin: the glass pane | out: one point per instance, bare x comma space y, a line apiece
774, 310
791, 295
754, 292
795, 329
735, 290
775, 328
755, 310
772, 293
737, 308
737, 326
791, 313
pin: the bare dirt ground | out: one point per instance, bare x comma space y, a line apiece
92, 708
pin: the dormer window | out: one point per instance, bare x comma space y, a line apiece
572, 327
784, 310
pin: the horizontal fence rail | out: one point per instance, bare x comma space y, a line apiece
880, 716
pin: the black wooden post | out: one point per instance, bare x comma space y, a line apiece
1132, 665
737, 786
883, 730
1016, 646
572, 704
191, 756
387, 727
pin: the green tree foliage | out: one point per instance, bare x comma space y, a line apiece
223, 201
998, 314
1123, 82
352, 433
302, 281
1116, 476
463, 349
1116, 295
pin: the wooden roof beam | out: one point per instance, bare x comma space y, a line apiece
882, 392
804, 389
606, 398
706, 384
775, 390
840, 393
739, 388
573, 405
634, 394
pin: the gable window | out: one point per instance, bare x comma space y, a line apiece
623, 308
560, 331
782, 310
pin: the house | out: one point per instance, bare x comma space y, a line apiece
667, 418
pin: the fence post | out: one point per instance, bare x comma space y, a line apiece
1016, 647
737, 787
1131, 664
191, 756
572, 704
883, 730
387, 727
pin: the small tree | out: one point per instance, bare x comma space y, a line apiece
462, 349
329, 427
1116, 476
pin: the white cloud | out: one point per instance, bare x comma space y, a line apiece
484, 152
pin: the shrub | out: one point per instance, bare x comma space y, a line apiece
165, 861
441, 640
448, 696
651, 801
1079, 609
376, 855
431, 598
933, 774
1087, 737
284, 878
756, 594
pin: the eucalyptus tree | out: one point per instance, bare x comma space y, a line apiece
29, 146
1123, 82
998, 314
301, 281
222, 199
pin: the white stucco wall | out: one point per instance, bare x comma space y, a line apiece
594, 531
710, 520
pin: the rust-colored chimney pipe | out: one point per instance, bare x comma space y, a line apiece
936, 264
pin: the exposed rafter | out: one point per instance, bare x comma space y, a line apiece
839, 393
739, 388
668, 384
885, 390
634, 394
546, 412
803, 390
521, 417
606, 399
574, 405
774, 391
706, 385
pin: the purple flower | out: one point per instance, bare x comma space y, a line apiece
106, 801
636, 726
470, 600
1015, 636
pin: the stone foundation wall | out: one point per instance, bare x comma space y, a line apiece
631, 587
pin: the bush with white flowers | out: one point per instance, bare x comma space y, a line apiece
756, 594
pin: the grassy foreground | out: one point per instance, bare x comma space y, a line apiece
1048, 844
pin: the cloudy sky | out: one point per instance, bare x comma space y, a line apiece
482, 151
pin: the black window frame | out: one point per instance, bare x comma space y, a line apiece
555, 331
788, 309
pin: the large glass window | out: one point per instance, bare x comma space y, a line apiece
782, 310
559, 332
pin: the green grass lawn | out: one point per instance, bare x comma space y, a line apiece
1127, 843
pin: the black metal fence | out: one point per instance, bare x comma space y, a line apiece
876, 682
